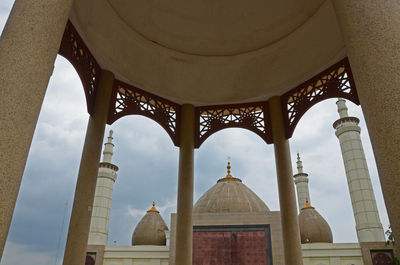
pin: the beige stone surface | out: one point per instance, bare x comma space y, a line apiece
332, 254
79, 225
313, 227
368, 224
150, 230
136, 255
106, 177
229, 196
211, 52
372, 35
302, 191
28, 47
184, 232
287, 197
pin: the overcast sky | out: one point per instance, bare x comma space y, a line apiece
148, 164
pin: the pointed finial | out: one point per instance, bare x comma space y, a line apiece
299, 164
110, 138
307, 205
153, 209
228, 176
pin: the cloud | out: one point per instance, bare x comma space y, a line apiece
22, 254
148, 163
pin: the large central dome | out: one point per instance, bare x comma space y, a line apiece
229, 195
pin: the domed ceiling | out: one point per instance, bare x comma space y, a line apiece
213, 51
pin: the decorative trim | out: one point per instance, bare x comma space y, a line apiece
251, 116
130, 100
300, 175
75, 51
108, 165
345, 120
335, 82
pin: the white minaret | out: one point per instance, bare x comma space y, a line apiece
368, 224
301, 181
107, 175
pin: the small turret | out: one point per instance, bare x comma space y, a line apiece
313, 227
151, 229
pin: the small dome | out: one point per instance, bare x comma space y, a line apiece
229, 195
150, 229
313, 227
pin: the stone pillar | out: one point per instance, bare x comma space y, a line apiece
372, 36
301, 181
287, 197
98, 234
28, 47
368, 224
78, 233
184, 226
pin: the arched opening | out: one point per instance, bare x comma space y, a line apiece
148, 171
252, 161
40, 222
314, 138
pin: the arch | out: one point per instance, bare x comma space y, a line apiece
334, 82
128, 100
75, 51
251, 116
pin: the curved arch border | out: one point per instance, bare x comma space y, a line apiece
251, 116
130, 100
73, 49
334, 82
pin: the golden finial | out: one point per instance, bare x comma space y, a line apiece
153, 209
307, 205
229, 176
229, 170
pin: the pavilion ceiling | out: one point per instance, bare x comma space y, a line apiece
211, 52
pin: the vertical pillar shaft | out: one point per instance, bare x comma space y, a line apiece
184, 226
28, 47
372, 36
79, 225
287, 197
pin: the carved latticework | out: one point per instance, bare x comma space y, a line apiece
75, 51
335, 82
129, 100
251, 116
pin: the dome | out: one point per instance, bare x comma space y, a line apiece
150, 230
229, 195
313, 227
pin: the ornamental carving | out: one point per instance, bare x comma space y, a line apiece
129, 100
75, 51
335, 82
251, 116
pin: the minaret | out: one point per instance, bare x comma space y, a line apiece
301, 181
107, 175
368, 224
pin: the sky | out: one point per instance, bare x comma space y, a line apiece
148, 169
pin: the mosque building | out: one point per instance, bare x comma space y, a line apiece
232, 225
